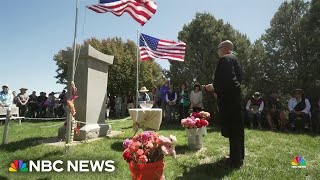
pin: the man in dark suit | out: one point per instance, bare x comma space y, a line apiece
226, 84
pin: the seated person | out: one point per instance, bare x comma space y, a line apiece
254, 108
275, 112
6, 97
23, 99
143, 95
299, 106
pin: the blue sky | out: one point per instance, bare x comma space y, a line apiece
33, 31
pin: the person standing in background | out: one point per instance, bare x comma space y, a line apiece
184, 103
163, 92
154, 97
196, 98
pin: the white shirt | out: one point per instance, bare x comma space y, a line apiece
260, 107
196, 99
293, 102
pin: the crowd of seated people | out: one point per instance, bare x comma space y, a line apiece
34, 106
274, 113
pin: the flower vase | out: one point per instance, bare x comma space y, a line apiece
147, 171
195, 141
204, 131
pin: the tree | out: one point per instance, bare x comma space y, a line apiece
286, 61
122, 74
202, 36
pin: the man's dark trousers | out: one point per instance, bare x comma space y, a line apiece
232, 125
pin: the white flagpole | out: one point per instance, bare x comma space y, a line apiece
69, 116
138, 52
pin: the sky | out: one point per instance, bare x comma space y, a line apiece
33, 31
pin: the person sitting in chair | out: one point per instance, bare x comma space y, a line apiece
275, 112
299, 106
254, 108
6, 97
143, 94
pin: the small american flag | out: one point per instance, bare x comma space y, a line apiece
139, 10
151, 47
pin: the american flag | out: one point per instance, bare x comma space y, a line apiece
140, 10
151, 47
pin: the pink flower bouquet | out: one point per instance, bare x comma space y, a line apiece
196, 120
148, 147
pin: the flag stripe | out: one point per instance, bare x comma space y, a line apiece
139, 11
163, 51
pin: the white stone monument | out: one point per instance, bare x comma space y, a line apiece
91, 80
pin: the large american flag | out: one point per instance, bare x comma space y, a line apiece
151, 47
140, 10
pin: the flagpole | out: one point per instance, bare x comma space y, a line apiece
69, 116
137, 88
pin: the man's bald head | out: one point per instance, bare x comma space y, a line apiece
227, 44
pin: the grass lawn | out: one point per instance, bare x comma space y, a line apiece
268, 154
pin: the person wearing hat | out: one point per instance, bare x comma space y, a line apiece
143, 95
22, 100
6, 97
275, 112
299, 106
254, 108
226, 84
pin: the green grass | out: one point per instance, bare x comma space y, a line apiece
268, 154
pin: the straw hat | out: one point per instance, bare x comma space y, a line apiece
23, 89
144, 89
256, 94
5, 85
300, 90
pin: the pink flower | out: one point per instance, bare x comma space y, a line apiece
140, 152
143, 159
145, 136
126, 143
149, 145
164, 150
164, 139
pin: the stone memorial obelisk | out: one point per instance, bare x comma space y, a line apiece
91, 80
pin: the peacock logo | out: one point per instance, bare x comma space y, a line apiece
18, 166
298, 162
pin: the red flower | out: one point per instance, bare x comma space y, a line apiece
196, 114
127, 155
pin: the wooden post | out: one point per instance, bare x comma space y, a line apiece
6, 125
